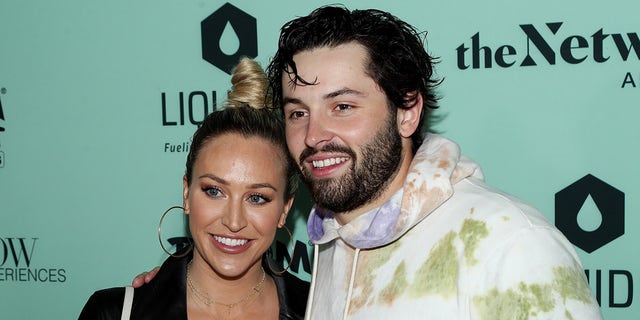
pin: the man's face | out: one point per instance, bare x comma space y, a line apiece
340, 129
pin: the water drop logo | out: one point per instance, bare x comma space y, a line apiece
590, 213
589, 217
229, 42
227, 35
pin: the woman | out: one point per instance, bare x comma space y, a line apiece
238, 188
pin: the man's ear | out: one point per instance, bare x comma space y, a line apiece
185, 194
409, 118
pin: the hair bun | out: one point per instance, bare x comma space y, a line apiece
248, 85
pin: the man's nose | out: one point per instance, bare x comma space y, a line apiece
318, 131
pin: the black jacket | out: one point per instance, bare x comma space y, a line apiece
165, 296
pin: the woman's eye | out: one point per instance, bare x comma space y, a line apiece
212, 191
258, 199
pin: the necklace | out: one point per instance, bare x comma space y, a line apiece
204, 297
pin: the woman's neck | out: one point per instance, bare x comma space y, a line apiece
221, 288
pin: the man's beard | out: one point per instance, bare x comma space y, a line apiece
366, 179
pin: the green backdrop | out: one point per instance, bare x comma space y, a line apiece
98, 101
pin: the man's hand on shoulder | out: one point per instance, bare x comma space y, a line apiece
144, 277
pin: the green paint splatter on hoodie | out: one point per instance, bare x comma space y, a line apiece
395, 288
571, 284
368, 275
520, 303
528, 300
471, 233
439, 273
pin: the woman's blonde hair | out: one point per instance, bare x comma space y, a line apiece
245, 113
248, 85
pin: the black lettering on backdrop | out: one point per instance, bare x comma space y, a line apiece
16, 248
573, 49
16, 262
197, 108
628, 80
629, 278
616, 279
300, 254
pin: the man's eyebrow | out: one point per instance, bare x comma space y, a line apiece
289, 100
330, 95
343, 91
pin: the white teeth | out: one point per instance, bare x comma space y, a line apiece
231, 242
328, 162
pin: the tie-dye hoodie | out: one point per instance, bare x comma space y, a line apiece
446, 246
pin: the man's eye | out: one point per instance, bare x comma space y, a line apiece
296, 114
343, 107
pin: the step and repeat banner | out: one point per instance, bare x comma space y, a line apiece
98, 101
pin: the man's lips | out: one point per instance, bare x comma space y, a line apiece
328, 162
321, 167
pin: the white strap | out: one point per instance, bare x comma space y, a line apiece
128, 301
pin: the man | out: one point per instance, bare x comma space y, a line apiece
405, 228
403, 225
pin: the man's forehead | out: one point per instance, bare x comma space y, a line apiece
351, 53
327, 65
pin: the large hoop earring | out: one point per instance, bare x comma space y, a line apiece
160, 235
279, 273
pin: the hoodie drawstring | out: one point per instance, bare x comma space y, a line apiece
351, 283
314, 271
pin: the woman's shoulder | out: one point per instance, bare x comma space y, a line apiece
297, 291
292, 291
104, 304
295, 286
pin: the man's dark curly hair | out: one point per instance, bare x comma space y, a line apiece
398, 61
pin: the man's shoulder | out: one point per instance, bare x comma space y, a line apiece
489, 203
479, 211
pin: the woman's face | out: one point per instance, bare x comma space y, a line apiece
236, 201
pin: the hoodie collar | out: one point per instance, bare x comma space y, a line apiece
435, 168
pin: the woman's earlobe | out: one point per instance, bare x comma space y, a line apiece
185, 195
283, 219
